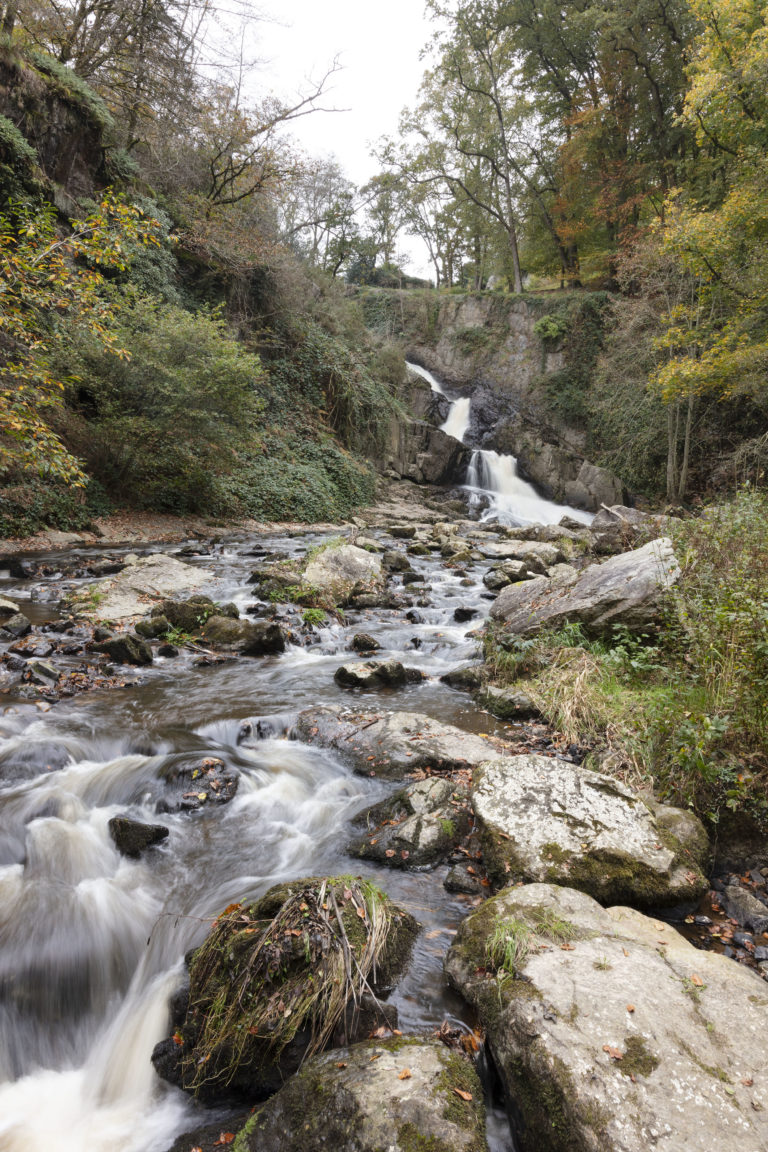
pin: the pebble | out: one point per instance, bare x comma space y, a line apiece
742, 939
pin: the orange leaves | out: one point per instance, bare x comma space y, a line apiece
467, 1096
697, 980
405, 1074
614, 1053
224, 1138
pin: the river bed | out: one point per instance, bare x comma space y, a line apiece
92, 942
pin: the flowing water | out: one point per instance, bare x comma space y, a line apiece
92, 943
493, 483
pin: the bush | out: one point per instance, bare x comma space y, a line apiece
159, 427
31, 506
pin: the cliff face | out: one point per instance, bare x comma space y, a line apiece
58, 117
522, 386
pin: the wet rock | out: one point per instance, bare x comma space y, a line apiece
509, 572
536, 555
466, 678
745, 908
417, 827
542, 819
132, 837
127, 648
609, 1026
389, 673
402, 531
627, 589
507, 703
418, 549
8, 608
32, 645
248, 637
461, 880
398, 1095
124, 596
362, 642
189, 786
168, 651
207, 1138
108, 566
395, 743
32, 758
41, 672
230, 609
336, 571
152, 628
412, 578
462, 615
414, 617
311, 933
186, 615
17, 625
368, 544
395, 561
20, 569
101, 633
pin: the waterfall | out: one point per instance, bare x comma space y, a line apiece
492, 480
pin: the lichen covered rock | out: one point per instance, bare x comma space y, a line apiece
417, 827
610, 1031
543, 819
396, 1095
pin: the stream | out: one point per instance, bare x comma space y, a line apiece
92, 942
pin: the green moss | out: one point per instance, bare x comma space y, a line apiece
638, 1060
448, 828
409, 1139
459, 1075
72, 88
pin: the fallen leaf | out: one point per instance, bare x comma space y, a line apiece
464, 1095
375, 1056
361, 913
341, 1064
177, 1038
347, 894
405, 854
630, 1007
230, 908
567, 948
390, 852
224, 1138
748, 1082
697, 980
614, 1053
405, 1074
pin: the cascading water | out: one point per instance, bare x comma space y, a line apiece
492, 480
92, 942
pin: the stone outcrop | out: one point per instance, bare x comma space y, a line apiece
545, 819
126, 596
373, 674
420, 452
611, 1032
398, 1095
624, 590
395, 743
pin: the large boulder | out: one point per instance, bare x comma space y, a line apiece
337, 571
126, 648
125, 596
394, 744
544, 819
417, 827
399, 1095
537, 556
274, 979
610, 1031
625, 590
8, 608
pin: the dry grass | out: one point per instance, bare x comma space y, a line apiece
256, 984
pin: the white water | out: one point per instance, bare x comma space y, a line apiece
493, 479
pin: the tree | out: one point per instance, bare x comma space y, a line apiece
718, 342
50, 284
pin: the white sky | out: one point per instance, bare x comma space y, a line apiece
378, 45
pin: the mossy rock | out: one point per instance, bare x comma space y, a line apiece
401, 1095
274, 979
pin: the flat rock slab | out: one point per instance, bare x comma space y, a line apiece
537, 556
393, 744
625, 590
544, 819
146, 579
399, 1095
613, 1029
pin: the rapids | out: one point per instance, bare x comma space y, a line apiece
92, 943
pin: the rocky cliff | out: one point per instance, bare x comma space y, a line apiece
523, 361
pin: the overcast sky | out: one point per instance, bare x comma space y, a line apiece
378, 46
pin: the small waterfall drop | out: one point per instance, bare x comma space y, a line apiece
492, 480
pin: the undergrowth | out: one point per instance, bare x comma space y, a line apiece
685, 708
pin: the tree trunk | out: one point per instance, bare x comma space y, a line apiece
9, 16
672, 421
683, 481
